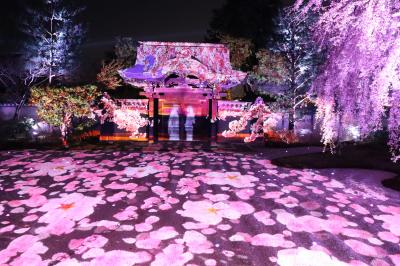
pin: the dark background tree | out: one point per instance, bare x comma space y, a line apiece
239, 22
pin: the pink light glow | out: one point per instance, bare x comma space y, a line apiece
155, 206
127, 114
360, 79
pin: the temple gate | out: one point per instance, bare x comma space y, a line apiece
183, 83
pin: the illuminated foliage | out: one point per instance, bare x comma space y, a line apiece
53, 40
125, 55
59, 106
361, 77
108, 75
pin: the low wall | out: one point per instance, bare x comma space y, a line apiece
306, 129
7, 112
40, 130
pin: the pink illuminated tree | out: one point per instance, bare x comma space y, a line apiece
360, 80
259, 112
124, 116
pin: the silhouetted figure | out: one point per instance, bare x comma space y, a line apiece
173, 123
190, 120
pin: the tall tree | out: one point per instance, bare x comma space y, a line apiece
293, 40
361, 77
54, 36
125, 50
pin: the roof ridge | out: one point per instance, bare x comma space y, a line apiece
183, 44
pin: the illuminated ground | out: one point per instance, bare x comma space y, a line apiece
157, 206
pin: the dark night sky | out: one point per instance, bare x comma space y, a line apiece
172, 20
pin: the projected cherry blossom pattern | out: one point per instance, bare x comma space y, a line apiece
126, 114
188, 204
210, 63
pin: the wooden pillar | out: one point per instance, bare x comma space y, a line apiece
155, 119
211, 115
149, 130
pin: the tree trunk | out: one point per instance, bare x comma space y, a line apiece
291, 120
52, 44
19, 106
64, 128
339, 145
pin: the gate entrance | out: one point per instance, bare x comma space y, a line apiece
183, 83
183, 118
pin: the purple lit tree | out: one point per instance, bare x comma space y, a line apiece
53, 40
294, 42
360, 80
286, 69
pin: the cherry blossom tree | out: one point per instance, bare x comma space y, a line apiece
360, 79
124, 116
394, 126
264, 120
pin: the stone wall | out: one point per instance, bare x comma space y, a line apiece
7, 112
